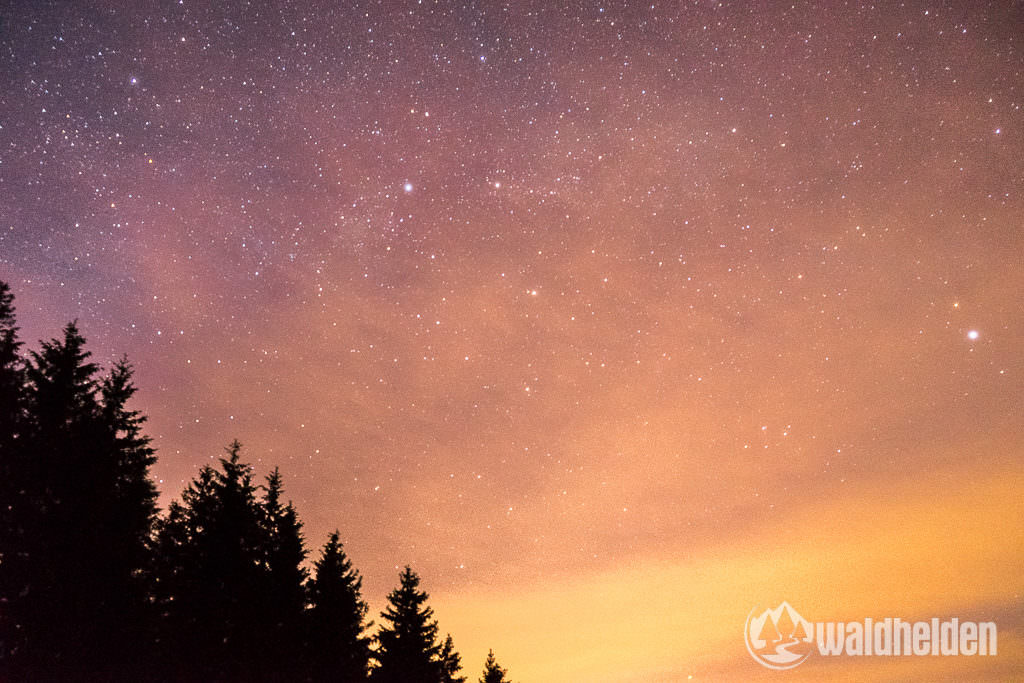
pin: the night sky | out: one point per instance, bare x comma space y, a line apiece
614, 320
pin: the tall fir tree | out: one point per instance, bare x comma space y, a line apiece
492, 672
12, 375
127, 516
210, 575
338, 649
451, 663
407, 648
283, 592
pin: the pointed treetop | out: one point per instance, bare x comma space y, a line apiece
492, 672
8, 327
340, 649
451, 663
6, 304
407, 648
12, 376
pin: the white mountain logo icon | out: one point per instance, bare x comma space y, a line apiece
779, 638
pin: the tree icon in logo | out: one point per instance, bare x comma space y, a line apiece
778, 638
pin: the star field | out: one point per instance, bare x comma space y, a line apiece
532, 294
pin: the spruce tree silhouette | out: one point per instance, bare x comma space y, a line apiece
451, 663
283, 593
12, 375
406, 645
492, 672
210, 576
125, 526
78, 508
338, 650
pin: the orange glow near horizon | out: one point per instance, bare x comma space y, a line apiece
870, 553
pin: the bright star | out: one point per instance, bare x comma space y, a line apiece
972, 335
408, 187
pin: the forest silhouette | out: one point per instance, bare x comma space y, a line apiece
96, 584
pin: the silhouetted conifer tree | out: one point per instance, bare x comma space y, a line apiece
451, 663
492, 672
125, 522
210, 576
406, 645
283, 593
338, 649
12, 375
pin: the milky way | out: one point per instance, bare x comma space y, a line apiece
555, 299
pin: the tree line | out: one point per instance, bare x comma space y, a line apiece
97, 585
